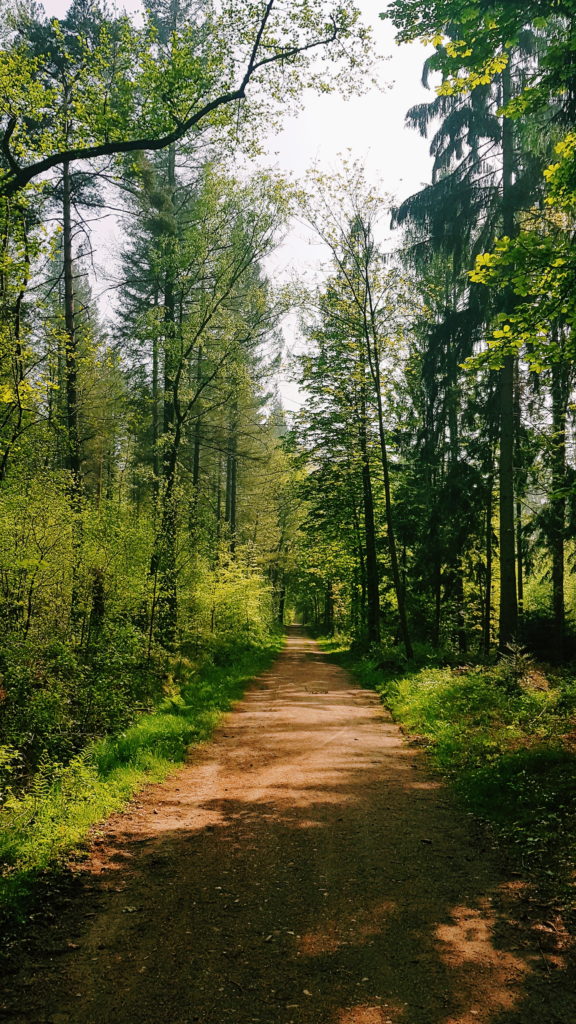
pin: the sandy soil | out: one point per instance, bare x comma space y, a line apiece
303, 867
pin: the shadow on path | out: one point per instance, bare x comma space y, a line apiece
304, 867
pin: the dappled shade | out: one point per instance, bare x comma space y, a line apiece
305, 867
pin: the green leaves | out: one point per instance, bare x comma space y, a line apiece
105, 86
538, 266
490, 32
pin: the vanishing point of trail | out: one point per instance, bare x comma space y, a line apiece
303, 867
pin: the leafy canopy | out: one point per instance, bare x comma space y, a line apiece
124, 88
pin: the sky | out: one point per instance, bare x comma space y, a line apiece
369, 128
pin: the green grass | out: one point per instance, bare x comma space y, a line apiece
39, 829
508, 750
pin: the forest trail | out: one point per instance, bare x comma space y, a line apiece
302, 867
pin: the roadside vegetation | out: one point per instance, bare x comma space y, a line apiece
51, 817
504, 735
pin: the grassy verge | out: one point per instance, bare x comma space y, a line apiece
508, 747
39, 829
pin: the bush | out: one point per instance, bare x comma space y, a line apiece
507, 747
62, 801
56, 698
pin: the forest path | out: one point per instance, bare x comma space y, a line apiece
303, 867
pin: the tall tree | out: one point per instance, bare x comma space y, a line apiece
336, 430
345, 213
481, 179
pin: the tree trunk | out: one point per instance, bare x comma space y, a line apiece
196, 438
170, 355
329, 609
519, 561
437, 604
372, 581
218, 501
487, 616
73, 454
455, 571
73, 461
163, 563
371, 341
560, 392
398, 588
232, 478
281, 604
508, 599
508, 602
359, 614
18, 371
197, 428
519, 489
155, 409
460, 619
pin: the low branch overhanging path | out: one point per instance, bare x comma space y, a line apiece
302, 867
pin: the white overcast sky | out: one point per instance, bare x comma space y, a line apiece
370, 128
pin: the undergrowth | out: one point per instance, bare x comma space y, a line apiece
508, 747
40, 827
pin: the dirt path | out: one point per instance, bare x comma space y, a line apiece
303, 868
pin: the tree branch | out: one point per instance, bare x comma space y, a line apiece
14, 168
18, 177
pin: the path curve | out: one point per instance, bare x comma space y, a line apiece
303, 867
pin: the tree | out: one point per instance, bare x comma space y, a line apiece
336, 431
345, 212
445, 224
480, 157
20, 247
134, 94
210, 311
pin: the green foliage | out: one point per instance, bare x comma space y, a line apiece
9, 763
507, 749
83, 560
93, 84
42, 826
513, 667
488, 32
56, 700
538, 264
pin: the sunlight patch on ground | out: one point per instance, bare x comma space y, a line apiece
370, 1015
469, 938
347, 930
466, 946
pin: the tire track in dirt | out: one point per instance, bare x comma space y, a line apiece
302, 867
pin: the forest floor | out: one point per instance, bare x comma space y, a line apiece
305, 866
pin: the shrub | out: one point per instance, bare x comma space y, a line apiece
506, 746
